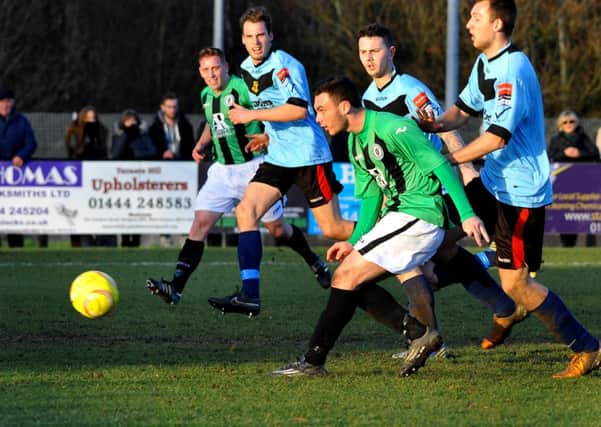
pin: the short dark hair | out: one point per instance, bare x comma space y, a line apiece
376, 30
340, 88
256, 14
168, 95
211, 51
506, 11
129, 113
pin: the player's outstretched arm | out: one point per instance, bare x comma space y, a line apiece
450, 119
484, 144
281, 113
454, 142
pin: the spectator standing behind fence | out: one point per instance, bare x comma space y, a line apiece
173, 136
171, 131
132, 142
17, 141
86, 136
571, 144
86, 139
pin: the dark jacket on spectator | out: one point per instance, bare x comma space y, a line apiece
578, 139
186, 133
16, 137
87, 141
133, 143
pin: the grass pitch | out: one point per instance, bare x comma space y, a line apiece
151, 364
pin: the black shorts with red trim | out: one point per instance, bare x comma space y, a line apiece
317, 182
517, 232
519, 237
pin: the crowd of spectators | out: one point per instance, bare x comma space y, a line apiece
171, 136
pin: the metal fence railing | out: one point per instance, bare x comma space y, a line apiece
50, 129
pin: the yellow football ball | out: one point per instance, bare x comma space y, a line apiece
94, 294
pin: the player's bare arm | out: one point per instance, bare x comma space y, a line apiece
454, 142
484, 144
281, 113
450, 119
204, 140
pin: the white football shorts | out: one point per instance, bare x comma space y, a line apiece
225, 186
400, 242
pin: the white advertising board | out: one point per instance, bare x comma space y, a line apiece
97, 197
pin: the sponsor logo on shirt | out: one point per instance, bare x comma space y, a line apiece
504, 94
284, 77
262, 104
423, 103
283, 74
220, 126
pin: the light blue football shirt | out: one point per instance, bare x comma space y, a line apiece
278, 80
505, 90
403, 95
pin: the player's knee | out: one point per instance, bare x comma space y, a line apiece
345, 279
514, 289
245, 212
199, 229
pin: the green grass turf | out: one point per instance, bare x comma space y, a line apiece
151, 364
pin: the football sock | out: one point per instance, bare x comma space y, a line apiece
250, 252
480, 284
381, 306
562, 323
421, 300
339, 311
445, 275
448, 273
298, 243
188, 259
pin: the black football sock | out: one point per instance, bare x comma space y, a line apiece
188, 259
339, 311
445, 275
413, 328
298, 243
421, 300
480, 284
381, 306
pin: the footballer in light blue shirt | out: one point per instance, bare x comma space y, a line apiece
297, 153
515, 185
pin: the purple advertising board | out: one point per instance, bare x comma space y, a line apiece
576, 204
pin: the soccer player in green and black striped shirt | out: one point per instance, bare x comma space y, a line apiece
395, 162
227, 179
